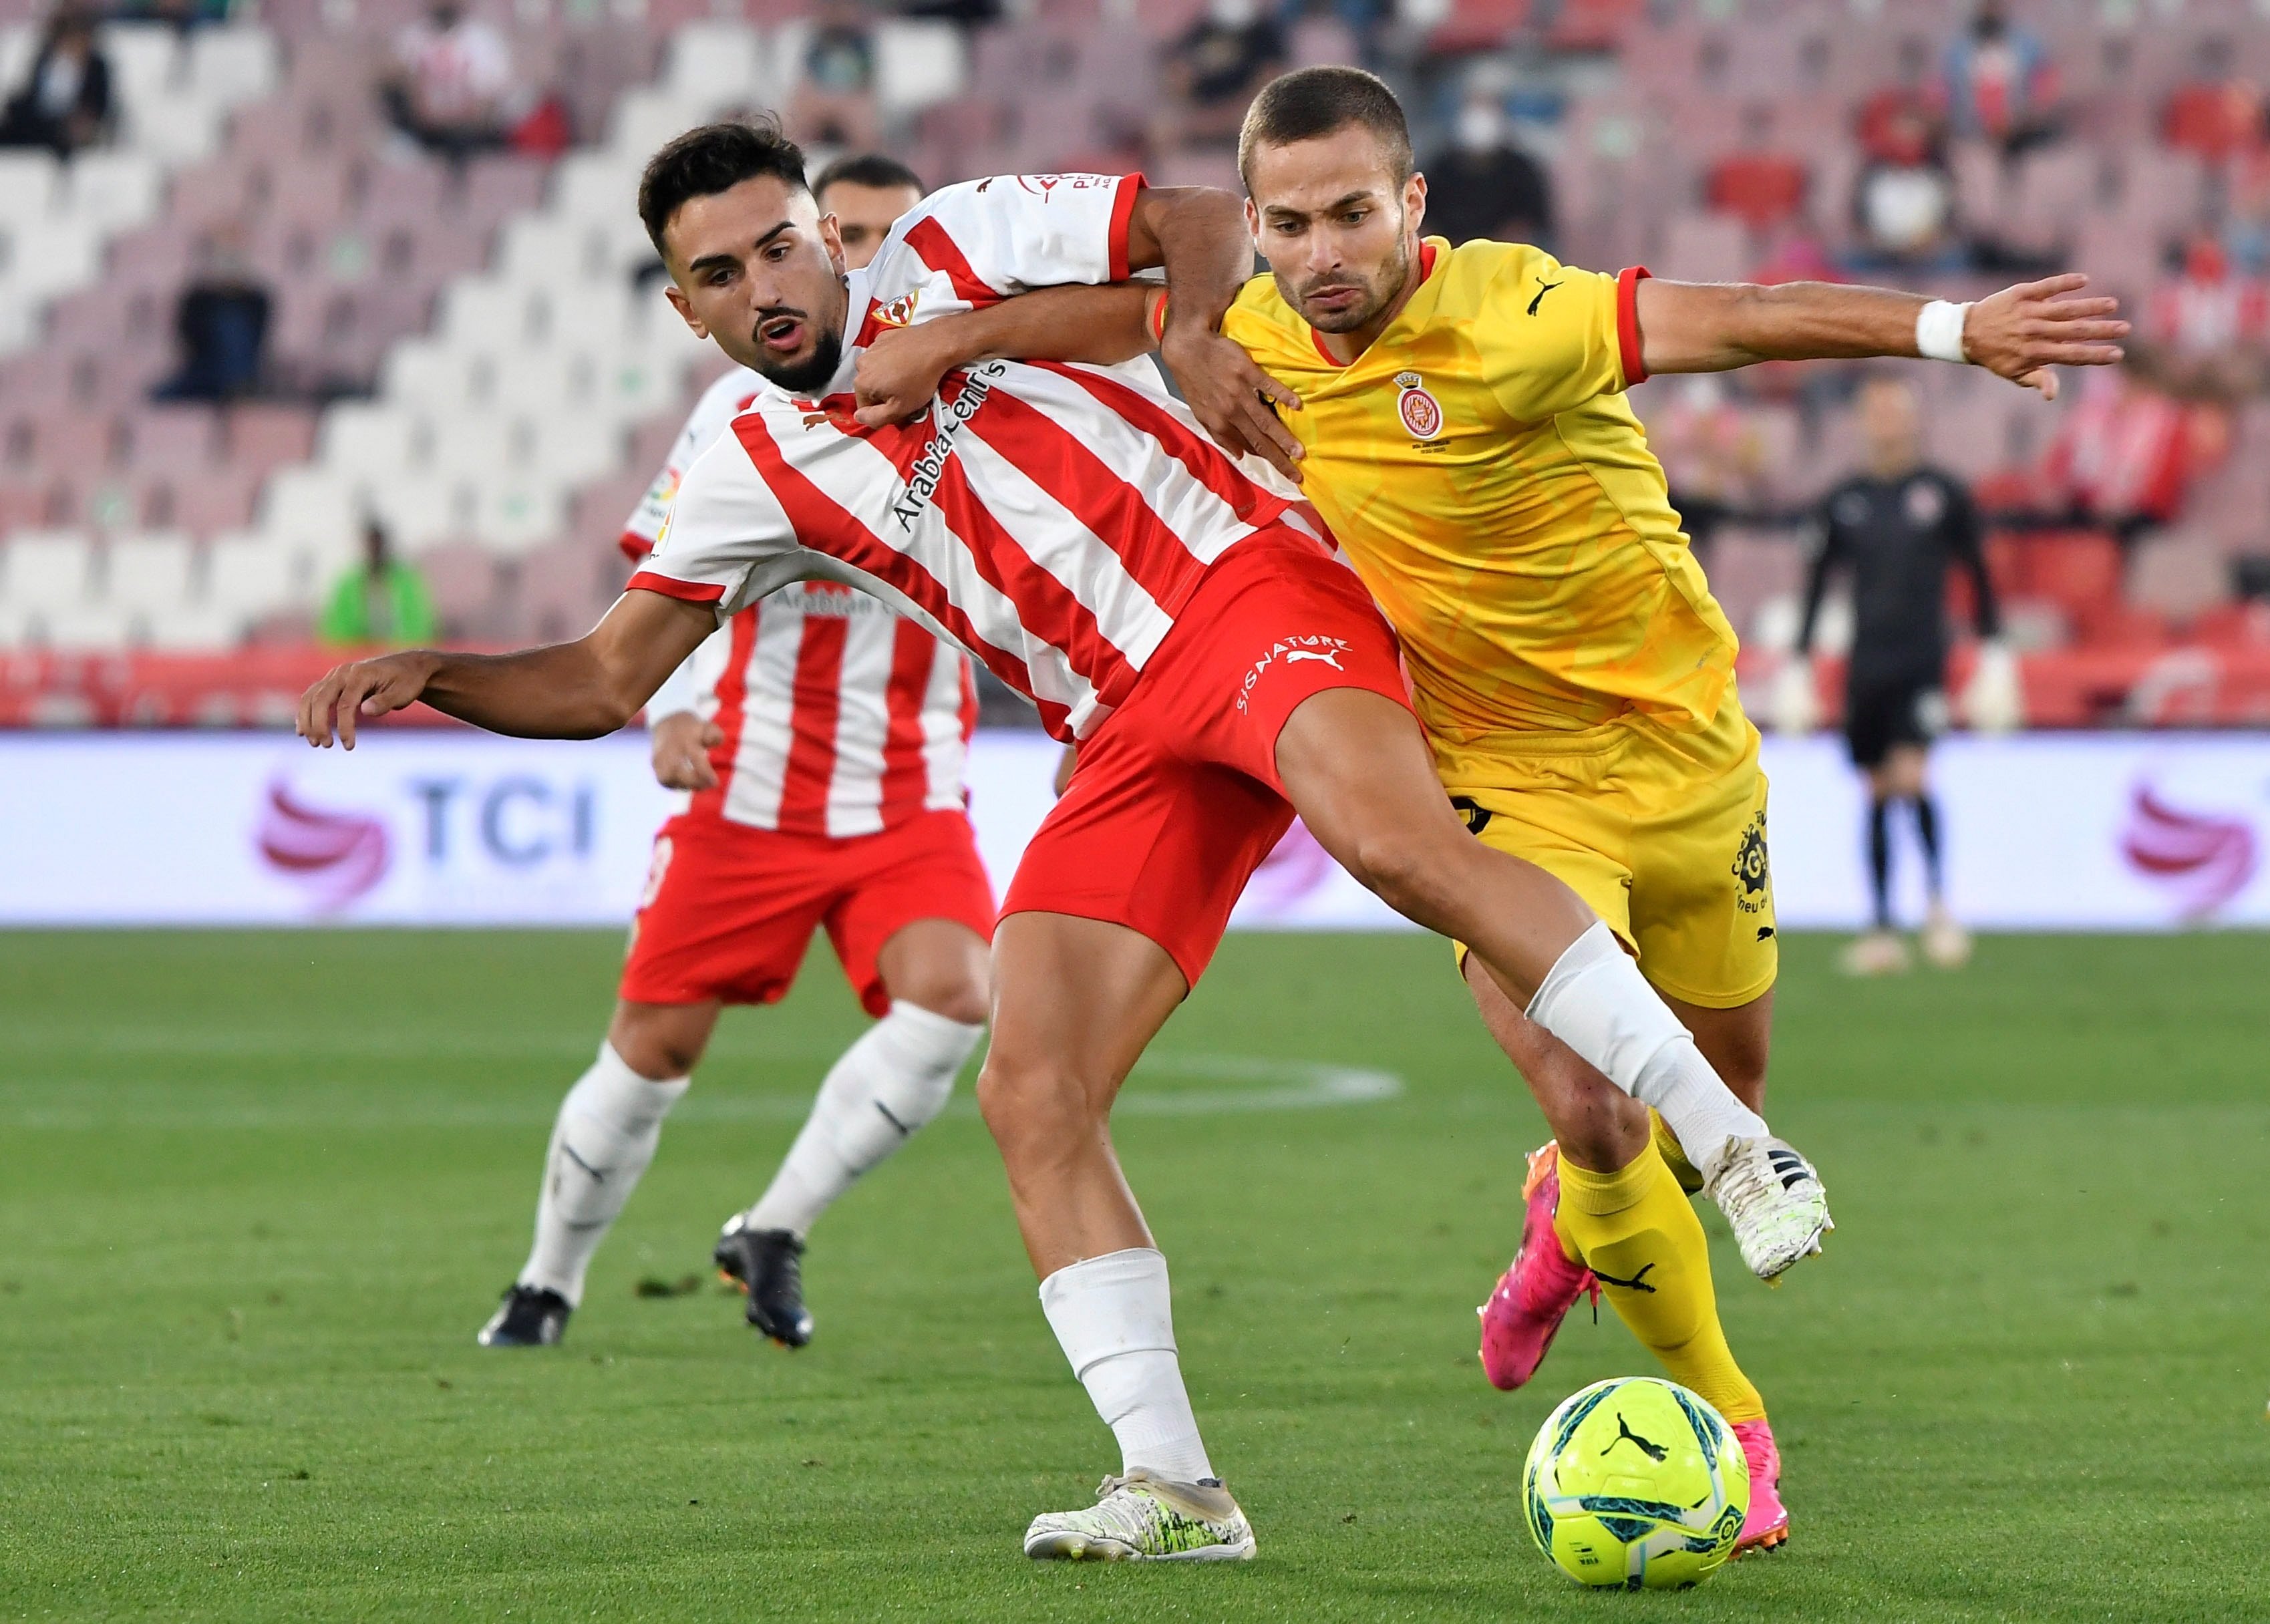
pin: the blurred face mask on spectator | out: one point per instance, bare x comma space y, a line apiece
1338, 230
758, 268
1480, 126
865, 215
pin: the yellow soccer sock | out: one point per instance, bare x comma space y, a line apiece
1636, 1232
1690, 1176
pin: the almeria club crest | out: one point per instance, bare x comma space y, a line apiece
1422, 412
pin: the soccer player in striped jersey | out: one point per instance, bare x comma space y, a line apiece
820, 740
1072, 527
1460, 421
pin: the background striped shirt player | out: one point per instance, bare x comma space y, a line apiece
841, 717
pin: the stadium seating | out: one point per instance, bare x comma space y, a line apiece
503, 377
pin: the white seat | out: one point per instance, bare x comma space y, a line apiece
19, 42
599, 186
583, 313
55, 255
423, 371
516, 516
714, 63
570, 448
478, 445
640, 385
370, 440
247, 576
421, 511
648, 117
918, 63
145, 60
187, 628
87, 627
29, 185
311, 506
175, 129
483, 313
113, 190
532, 245
148, 572
229, 66
44, 569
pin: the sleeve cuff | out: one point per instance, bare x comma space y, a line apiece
1628, 345
635, 546
1123, 214
669, 586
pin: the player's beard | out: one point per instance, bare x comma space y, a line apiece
812, 373
1381, 289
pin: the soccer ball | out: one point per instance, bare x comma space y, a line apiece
1636, 1482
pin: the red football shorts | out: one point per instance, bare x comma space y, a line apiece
728, 911
1176, 800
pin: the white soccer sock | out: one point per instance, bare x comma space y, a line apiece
889, 1082
1595, 1000
603, 1139
1115, 1319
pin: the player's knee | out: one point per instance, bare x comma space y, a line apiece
1407, 870
658, 1043
1032, 1104
962, 993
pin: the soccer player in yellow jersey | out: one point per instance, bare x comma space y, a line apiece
1464, 431
1457, 416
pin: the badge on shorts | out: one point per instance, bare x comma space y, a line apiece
1751, 871
1422, 412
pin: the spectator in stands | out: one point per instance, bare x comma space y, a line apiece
221, 322
2124, 455
1903, 201
1483, 185
866, 192
1214, 70
835, 100
379, 602
451, 87
64, 103
2001, 85
1890, 118
2218, 113
1713, 458
2209, 324
1758, 183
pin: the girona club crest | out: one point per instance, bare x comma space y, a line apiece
1422, 412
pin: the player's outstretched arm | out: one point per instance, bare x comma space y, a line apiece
578, 690
2017, 334
899, 373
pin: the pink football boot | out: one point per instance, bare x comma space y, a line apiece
1536, 1293
1766, 1526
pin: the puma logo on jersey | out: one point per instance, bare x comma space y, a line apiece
1286, 650
1543, 288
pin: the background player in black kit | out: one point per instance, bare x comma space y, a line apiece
1898, 526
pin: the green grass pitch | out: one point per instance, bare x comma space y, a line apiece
257, 1191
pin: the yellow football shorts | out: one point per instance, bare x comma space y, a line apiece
1662, 832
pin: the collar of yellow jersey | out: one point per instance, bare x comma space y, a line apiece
1432, 252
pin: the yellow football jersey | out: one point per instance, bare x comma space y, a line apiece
1483, 471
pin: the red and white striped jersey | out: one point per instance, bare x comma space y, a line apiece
1051, 519
841, 717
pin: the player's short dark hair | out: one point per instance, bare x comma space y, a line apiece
875, 169
711, 158
1310, 102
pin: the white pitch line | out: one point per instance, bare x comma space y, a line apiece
1285, 1085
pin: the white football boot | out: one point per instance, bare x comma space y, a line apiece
1142, 1518
1772, 1199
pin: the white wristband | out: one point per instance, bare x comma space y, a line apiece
1938, 331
